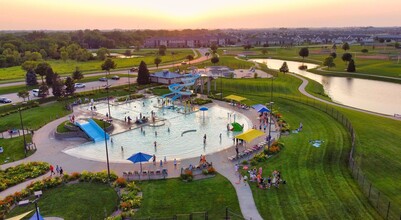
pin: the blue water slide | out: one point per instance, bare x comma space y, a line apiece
93, 130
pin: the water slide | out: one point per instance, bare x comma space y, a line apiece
93, 130
177, 89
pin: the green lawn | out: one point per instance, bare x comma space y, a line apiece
319, 184
75, 201
14, 148
317, 55
165, 198
66, 68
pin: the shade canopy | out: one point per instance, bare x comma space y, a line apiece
36, 216
203, 108
260, 108
249, 135
18, 217
235, 98
139, 157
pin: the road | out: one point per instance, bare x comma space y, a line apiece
96, 84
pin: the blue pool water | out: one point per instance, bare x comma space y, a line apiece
172, 144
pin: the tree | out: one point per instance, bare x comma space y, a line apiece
207, 54
102, 53
29, 65
284, 68
214, 48
49, 76
157, 61
162, 50
43, 53
30, 78
215, 59
69, 86
23, 94
364, 50
143, 74
334, 55
346, 57
345, 46
108, 64
334, 47
264, 51
303, 52
329, 62
43, 90
77, 75
190, 58
247, 47
41, 69
397, 45
351, 66
57, 86
64, 55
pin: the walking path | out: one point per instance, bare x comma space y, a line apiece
360, 74
305, 82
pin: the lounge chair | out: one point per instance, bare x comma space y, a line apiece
151, 172
136, 172
158, 172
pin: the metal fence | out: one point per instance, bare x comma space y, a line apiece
384, 206
190, 216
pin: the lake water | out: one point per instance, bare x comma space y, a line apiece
371, 95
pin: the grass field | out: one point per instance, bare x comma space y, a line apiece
74, 201
317, 55
66, 68
319, 185
165, 198
14, 148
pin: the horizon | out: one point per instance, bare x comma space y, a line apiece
211, 15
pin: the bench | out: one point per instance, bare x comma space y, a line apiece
23, 202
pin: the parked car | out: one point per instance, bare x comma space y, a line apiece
133, 69
103, 79
5, 100
79, 85
115, 77
35, 92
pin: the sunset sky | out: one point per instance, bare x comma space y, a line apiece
211, 14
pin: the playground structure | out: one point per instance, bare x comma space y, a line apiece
236, 127
93, 130
179, 90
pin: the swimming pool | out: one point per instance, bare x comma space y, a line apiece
171, 142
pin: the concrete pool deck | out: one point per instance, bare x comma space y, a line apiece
50, 150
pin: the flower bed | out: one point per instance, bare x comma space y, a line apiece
198, 101
18, 174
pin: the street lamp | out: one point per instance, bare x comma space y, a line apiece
270, 123
129, 85
36, 208
108, 100
271, 89
221, 85
22, 126
107, 152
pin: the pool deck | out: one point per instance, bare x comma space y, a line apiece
50, 150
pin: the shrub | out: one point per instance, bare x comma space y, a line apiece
244, 162
198, 101
120, 182
211, 170
303, 67
205, 172
187, 176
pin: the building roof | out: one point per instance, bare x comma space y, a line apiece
166, 75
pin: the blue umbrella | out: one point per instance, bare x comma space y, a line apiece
36, 216
203, 109
260, 108
139, 157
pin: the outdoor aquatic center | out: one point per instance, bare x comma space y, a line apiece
178, 132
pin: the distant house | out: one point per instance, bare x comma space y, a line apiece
166, 77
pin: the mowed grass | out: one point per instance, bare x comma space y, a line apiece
378, 152
165, 198
67, 67
74, 201
319, 184
14, 148
379, 67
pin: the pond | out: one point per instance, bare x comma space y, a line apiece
376, 96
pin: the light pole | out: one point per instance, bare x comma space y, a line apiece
221, 85
107, 152
270, 124
271, 89
108, 100
129, 85
36, 208
22, 127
